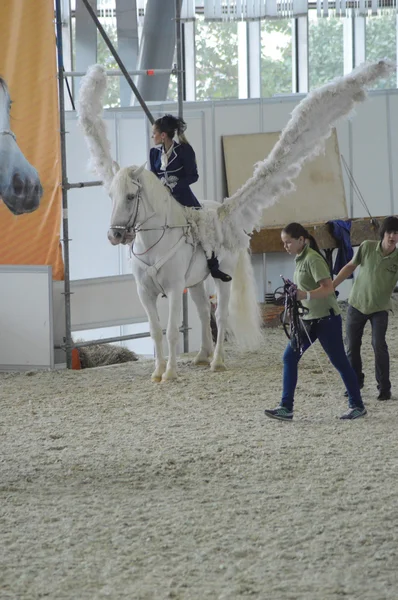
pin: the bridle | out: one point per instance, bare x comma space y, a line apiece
5, 89
132, 226
8, 132
292, 314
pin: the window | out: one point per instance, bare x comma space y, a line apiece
105, 58
216, 60
380, 40
325, 49
276, 57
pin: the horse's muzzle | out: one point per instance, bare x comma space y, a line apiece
22, 196
120, 236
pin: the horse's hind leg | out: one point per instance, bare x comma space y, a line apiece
202, 302
149, 303
223, 294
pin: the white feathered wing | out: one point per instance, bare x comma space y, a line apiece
90, 108
302, 139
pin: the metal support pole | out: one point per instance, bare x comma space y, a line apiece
118, 73
179, 59
180, 114
82, 184
119, 61
65, 224
120, 338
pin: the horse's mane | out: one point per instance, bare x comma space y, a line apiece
160, 198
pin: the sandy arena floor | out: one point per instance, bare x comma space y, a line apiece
114, 487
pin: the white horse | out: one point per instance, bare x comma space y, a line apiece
170, 242
20, 187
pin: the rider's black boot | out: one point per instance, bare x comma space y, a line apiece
215, 272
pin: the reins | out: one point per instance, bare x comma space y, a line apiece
292, 314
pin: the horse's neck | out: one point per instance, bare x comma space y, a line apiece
161, 225
160, 205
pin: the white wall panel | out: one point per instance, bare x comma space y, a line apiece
343, 139
370, 157
276, 114
26, 318
131, 139
91, 254
393, 156
228, 121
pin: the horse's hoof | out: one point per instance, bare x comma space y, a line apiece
218, 367
201, 362
156, 378
169, 376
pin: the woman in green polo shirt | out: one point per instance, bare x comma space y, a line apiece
370, 300
323, 322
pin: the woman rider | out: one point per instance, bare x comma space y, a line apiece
174, 163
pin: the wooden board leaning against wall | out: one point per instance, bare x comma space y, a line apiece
269, 238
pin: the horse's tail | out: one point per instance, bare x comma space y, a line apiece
244, 310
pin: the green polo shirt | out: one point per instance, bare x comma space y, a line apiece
377, 277
311, 268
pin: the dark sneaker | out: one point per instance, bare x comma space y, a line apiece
280, 412
354, 413
384, 396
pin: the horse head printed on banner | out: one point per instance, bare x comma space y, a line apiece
20, 187
170, 243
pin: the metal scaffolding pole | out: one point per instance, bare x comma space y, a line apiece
69, 344
119, 61
180, 114
65, 223
118, 73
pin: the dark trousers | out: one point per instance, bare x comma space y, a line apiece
356, 322
329, 332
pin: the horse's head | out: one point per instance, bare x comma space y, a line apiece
125, 192
20, 187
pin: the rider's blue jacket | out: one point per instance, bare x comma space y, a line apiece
180, 173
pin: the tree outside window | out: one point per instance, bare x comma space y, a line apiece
276, 57
105, 58
381, 42
216, 60
325, 49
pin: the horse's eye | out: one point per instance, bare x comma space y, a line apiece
130, 197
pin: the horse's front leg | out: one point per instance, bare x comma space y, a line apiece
148, 301
223, 294
172, 333
199, 296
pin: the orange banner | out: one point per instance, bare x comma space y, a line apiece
28, 66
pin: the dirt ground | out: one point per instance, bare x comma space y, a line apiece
114, 487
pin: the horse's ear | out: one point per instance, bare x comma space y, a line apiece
115, 167
137, 172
